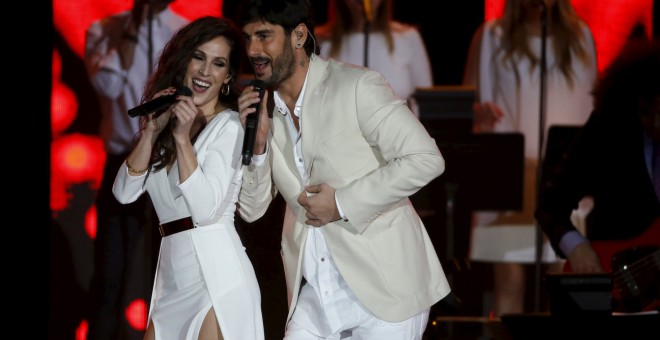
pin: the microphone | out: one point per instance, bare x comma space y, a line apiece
251, 124
159, 103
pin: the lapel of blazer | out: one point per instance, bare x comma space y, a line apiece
313, 112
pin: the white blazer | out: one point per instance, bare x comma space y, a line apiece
366, 143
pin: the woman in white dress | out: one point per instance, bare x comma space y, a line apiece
187, 158
394, 49
504, 64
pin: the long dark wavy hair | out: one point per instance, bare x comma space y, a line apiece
171, 71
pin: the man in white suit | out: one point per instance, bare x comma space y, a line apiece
345, 154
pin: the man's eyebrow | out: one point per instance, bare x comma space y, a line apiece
264, 31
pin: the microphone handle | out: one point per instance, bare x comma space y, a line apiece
152, 106
251, 125
159, 103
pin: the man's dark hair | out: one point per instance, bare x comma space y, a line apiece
286, 13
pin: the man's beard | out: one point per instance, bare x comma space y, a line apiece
282, 66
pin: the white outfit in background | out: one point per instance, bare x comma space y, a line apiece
120, 90
508, 236
205, 266
406, 68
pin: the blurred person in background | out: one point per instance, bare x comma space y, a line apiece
355, 32
120, 54
615, 162
504, 63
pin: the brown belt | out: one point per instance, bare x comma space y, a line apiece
169, 228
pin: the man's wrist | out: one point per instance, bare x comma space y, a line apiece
570, 241
339, 209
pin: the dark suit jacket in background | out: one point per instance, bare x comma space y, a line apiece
606, 161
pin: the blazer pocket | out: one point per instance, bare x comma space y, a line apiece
399, 252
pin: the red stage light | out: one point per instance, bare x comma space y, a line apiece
63, 106
81, 331
75, 158
80, 158
90, 222
136, 314
63, 101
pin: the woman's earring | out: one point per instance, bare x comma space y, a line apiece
224, 89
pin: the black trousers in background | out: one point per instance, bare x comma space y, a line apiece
125, 234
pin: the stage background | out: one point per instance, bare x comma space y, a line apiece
71, 154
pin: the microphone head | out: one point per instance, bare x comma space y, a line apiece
184, 91
246, 158
257, 83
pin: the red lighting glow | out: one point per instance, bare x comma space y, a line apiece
79, 157
63, 102
64, 106
90, 222
81, 330
75, 158
136, 314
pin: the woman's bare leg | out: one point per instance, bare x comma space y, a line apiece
150, 334
509, 288
210, 328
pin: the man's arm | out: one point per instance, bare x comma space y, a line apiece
412, 157
257, 189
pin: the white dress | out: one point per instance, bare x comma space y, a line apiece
205, 266
406, 68
511, 236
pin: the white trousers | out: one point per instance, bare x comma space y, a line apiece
368, 327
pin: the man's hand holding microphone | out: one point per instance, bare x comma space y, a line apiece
255, 118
